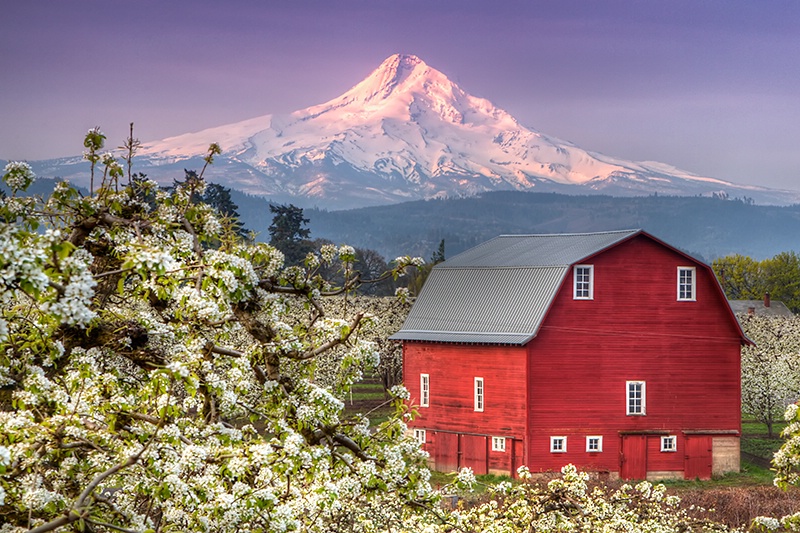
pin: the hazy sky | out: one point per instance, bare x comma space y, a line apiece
712, 87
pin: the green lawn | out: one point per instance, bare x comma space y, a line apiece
749, 476
752, 427
369, 398
756, 442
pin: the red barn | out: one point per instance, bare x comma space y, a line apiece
613, 351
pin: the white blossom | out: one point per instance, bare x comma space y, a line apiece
18, 175
5, 456
767, 522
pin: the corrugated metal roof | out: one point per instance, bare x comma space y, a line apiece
497, 306
536, 250
776, 308
457, 336
498, 292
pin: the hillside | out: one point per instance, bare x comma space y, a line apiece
705, 227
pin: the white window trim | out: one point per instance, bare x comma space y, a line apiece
628, 398
693, 270
498, 444
424, 390
563, 441
479, 395
669, 438
575, 282
421, 436
599, 443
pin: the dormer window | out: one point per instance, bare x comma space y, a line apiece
584, 282
686, 284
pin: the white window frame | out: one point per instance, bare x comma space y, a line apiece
683, 286
424, 390
628, 397
480, 395
596, 438
558, 444
498, 444
421, 436
669, 443
589, 290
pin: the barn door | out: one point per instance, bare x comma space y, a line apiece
698, 457
517, 456
445, 453
474, 453
634, 457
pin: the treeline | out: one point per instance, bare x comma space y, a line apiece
289, 234
704, 227
744, 278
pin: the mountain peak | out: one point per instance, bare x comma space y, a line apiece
405, 132
398, 66
394, 72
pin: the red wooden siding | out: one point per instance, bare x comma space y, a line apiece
658, 461
633, 329
452, 369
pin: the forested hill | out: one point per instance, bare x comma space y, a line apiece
705, 227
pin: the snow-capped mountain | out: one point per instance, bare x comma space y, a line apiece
408, 132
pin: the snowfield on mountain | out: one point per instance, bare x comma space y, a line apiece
407, 132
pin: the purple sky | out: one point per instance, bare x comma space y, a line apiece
712, 87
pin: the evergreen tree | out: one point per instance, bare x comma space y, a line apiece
287, 233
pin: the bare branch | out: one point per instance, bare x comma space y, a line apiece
198, 250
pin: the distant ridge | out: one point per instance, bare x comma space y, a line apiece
706, 228
406, 132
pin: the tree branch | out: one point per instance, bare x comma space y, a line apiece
322, 348
73, 514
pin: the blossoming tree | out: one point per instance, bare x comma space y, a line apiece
152, 380
157, 373
771, 368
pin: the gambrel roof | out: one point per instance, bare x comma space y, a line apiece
499, 291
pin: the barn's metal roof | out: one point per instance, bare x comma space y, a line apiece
493, 305
499, 291
536, 250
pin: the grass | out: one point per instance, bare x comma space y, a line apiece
761, 447
366, 395
753, 427
369, 398
749, 476
756, 442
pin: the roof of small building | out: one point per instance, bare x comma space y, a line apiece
775, 308
498, 292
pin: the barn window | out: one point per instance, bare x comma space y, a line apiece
686, 283
498, 444
420, 436
669, 444
558, 444
594, 444
584, 282
424, 390
636, 397
479, 394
